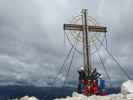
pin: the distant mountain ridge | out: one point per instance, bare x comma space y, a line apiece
43, 93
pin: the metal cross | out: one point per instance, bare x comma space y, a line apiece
86, 47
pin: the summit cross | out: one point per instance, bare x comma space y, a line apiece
85, 29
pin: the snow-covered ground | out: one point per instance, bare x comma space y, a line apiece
126, 94
77, 96
27, 98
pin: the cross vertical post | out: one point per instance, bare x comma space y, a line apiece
86, 44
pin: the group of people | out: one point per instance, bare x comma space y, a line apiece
92, 85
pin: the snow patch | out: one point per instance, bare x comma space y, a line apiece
28, 98
127, 87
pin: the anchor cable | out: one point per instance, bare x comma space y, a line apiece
61, 68
69, 68
104, 67
114, 59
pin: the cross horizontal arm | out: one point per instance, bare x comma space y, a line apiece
72, 27
96, 29
80, 28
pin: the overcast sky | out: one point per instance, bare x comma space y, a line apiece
32, 38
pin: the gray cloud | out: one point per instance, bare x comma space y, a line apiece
31, 37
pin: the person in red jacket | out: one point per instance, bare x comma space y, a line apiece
95, 87
87, 88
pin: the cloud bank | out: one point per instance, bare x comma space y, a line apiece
31, 37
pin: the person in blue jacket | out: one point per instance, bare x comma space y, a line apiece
101, 83
81, 79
